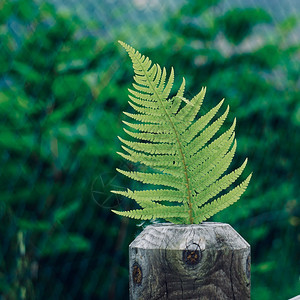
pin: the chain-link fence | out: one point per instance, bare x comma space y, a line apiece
63, 87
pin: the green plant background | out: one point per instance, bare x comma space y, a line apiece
63, 87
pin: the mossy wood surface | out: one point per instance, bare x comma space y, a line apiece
206, 261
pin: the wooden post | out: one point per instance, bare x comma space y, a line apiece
206, 261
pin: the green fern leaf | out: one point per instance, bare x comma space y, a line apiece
153, 178
188, 112
159, 211
206, 135
148, 128
222, 202
154, 148
220, 185
215, 163
178, 148
154, 195
197, 126
206, 152
151, 137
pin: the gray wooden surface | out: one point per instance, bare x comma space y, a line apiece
206, 261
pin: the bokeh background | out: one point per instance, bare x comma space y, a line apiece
63, 87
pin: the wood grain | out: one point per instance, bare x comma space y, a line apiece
206, 261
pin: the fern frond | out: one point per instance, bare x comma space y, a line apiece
222, 202
152, 137
146, 110
206, 135
150, 128
155, 179
154, 148
160, 211
179, 150
167, 89
152, 119
144, 203
201, 169
189, 111
142, 102
176, 100
166, 160
205, 152
222, 184
197, 126
154, 195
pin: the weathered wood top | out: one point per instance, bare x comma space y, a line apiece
177, 237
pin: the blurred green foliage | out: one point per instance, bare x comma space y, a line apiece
59, 120
62, 91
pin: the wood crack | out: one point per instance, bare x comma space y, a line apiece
181, 285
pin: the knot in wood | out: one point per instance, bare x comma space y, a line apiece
192, 254
137, 274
